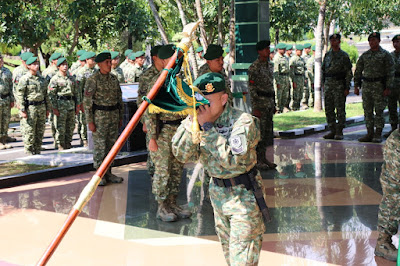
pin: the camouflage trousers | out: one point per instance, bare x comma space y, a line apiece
283, 93
335, 106
308, 93
168, 170
53, 125
393, 101
238, 223
297, 92
373, 101
266, 128
5, 116
33, 128
82, 128
149, 164
107, 123
65, 125
389, 214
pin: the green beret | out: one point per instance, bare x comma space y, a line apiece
166, 51
139, 54
132, 56
272, 49
80, 52
307, 45
313, 48
336, 36
281, 46
25, 56
214, 51
114, 54
61, 60
55, 56
299, 47
226, 50
154, 50
128, 52
87, 55
289, 47
396, 37
210, 83
102, 56
31, 60
199, 49
261, 45
375, 35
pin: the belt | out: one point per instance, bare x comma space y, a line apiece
397, 74
106, 108
171, 122
266, 93
66, 98
338, 76
249, 181
283, 74
3, 96
374, 79
298, 74
35, 102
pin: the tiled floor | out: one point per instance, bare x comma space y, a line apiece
323, 199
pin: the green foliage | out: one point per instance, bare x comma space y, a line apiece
10, 49
351, 50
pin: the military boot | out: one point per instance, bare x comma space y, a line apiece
394, 127
10, 139
368, 137
3, 140
377, 136
330, 135
176, 209
339, 134
103, 181
164, 213
113, 178
384, 248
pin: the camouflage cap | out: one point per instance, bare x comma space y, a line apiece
199, 49
55, 56
307, 45
166, 51
80, 52
87, 55
210, 83
61, 60
102, 56
114, 54
128, 52
374, 35
31, 60
154, 50
261, 45
25, 56
396, 38
335, 36
213, 51
281, 46
299, 47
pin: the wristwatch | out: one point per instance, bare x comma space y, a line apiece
207, 126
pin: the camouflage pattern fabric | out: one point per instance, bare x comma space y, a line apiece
18, 72
49, 72
64, 86
281, 78
262, 97
132, 73
103, 90
5, 101
336, 78
394, 91
228, 150
204, 69
74, 66
33, 89
310, 81
307, 84
373, 65
297, 74
124, 64
388, 215
119, 73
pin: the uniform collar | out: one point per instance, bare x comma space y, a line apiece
226, 115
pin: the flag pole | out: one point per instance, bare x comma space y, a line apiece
90, 188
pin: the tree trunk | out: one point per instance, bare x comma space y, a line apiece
220, 40
76, 37
276, 36
232, 38
158, 22
130, 43
318, 57
192, 56
203, 36
326, 38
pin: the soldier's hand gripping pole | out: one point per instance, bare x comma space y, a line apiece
88, 191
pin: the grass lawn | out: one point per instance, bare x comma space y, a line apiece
299, 119
13, 168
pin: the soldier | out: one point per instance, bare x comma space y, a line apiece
281, 77
297, 76
310, 77
168, 171
6, 103
51, 70
126, 61
104, 108
395, 90
261, 88
228, 153
130, 69
81, 76
115, 69
375, 69
215, 63
336, 78
33, 101
307, 84
78, 62
144, 88
65, 100
199, 57
21, 69
271, 56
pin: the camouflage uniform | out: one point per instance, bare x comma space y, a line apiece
168, 170
17, 74
206, 69
310, 63
81, 76
132, 73
388, 215
48, 73
31, 95
103, 91
394, 92
375, 69
336, 78
227, 150
307, 84
6, 98
119, 73
144, 87
75, 66
64, 96
297, 75
281, 78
